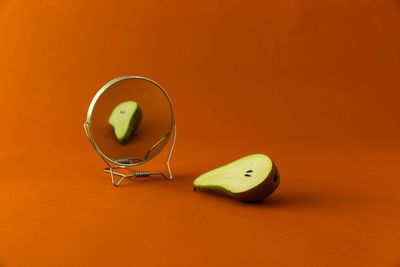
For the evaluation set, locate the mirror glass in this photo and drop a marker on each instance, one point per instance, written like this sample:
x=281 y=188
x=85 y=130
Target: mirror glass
x=131 y=120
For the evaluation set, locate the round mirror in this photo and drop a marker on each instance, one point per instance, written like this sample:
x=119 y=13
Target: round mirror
x=130 y=120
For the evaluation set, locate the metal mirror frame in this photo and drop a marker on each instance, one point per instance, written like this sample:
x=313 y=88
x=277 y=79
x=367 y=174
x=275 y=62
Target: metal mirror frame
x=116 y=164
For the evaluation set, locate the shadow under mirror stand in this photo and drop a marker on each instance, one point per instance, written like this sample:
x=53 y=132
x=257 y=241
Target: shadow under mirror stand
x=129 y=122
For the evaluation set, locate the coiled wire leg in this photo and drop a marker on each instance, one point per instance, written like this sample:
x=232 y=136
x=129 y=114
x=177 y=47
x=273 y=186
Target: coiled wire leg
x=133 y=174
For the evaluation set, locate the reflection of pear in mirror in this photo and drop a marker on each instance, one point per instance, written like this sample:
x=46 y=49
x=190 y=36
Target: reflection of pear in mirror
x=125 y=119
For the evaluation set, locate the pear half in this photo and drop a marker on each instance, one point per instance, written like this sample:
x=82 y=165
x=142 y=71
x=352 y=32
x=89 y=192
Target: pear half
x=125 y=119
x=251 y=178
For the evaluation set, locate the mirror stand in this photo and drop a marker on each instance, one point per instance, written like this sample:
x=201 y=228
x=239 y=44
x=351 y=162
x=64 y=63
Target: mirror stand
x=131 y=173
x=123 y=95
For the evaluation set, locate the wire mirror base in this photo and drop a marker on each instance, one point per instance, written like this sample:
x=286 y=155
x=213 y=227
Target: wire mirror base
x=117 y=177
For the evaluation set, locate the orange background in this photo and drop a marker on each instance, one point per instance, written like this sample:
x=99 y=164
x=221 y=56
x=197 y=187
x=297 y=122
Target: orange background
x=313 y=84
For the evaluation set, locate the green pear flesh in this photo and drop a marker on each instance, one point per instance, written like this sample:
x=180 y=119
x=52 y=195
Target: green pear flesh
x=251 y=178
x=125 y=119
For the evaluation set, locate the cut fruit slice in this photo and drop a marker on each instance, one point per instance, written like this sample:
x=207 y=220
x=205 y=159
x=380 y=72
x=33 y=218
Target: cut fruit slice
x=251 y=178
x=125 y=119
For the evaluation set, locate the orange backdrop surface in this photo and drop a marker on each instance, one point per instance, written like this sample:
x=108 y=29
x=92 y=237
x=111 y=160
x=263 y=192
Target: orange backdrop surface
x=313 y=84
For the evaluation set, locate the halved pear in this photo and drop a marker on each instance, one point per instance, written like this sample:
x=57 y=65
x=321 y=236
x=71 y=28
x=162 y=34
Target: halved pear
x=251 y=178
x=125 y=119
